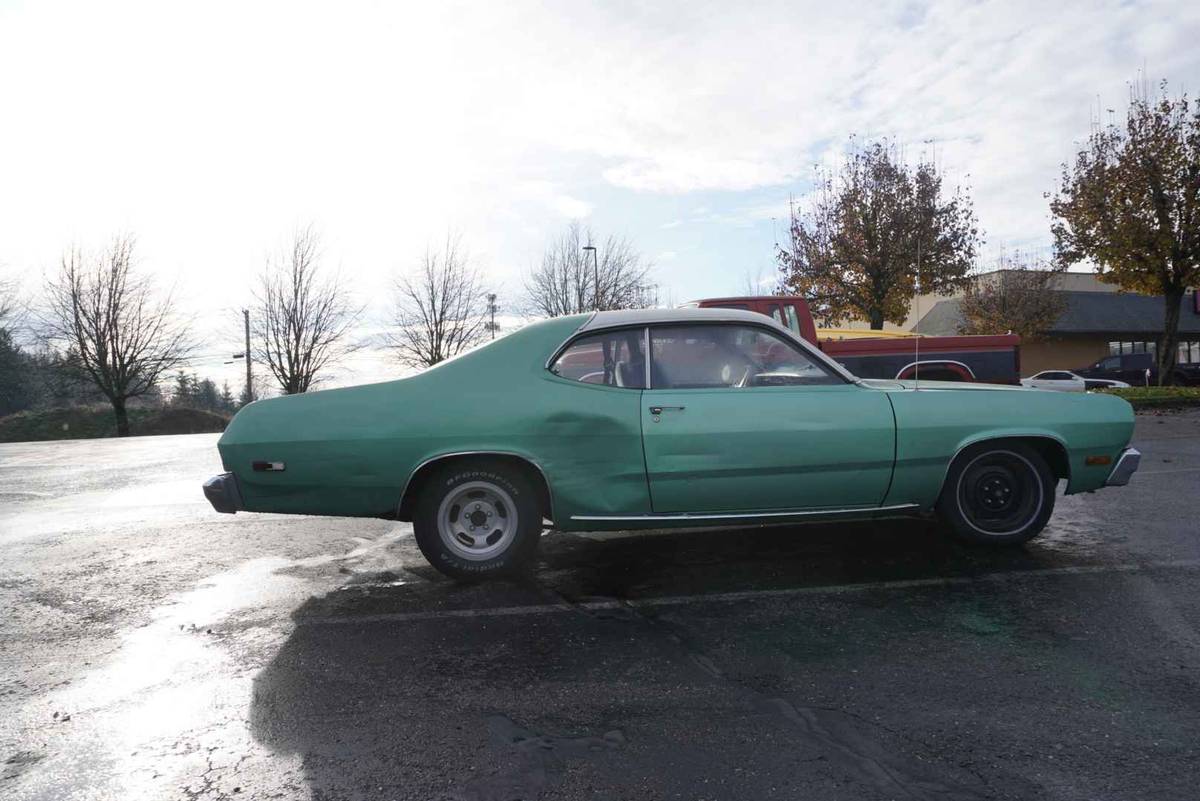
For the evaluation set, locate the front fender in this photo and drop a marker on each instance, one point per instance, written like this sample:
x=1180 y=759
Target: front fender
x=932 y=427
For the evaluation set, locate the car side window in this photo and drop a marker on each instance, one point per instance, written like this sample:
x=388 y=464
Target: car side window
x=1111 y=363
x=613 y=358
x=729 y=356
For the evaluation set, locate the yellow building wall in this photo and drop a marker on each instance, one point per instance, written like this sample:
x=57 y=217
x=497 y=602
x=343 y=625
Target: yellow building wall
x=1061 y=354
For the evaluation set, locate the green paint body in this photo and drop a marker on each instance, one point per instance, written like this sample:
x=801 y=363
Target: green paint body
x=352 y=451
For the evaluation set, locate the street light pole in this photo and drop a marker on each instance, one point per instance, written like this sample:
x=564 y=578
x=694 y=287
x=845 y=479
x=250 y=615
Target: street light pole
x=595 y=275
x=249 y=380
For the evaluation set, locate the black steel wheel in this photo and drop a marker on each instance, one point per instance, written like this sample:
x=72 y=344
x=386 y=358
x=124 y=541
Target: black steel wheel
x=999 y=493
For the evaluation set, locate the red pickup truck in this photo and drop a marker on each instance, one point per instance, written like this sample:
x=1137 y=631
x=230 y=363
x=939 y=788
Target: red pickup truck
x=985 y=359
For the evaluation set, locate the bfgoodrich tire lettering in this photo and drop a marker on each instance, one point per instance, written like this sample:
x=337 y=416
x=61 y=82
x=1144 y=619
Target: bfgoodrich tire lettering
x=479 y=520
x=998 y=493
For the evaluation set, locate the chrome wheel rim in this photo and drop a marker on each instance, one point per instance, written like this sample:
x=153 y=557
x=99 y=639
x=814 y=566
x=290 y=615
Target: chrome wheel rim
x=477 y=520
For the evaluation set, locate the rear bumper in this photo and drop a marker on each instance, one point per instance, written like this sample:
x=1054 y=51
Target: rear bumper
x=1126 y=466
x=223 y=493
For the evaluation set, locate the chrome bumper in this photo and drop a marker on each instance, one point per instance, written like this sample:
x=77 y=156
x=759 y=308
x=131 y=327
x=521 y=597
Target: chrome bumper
x=1126 y=466
x=223 y=493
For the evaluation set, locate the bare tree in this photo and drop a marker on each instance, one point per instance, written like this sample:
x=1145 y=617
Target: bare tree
x=1018 y=298
x=441 y=307
x=112 y=326
x=9 y=302
x=303 y=321
x=571 y=280
x=755 y=284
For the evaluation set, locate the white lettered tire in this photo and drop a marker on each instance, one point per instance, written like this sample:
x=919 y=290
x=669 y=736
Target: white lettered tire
x=477 y=520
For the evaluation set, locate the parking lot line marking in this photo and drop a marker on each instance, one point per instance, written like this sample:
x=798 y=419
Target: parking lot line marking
x=1161 y=472
x=747 y=595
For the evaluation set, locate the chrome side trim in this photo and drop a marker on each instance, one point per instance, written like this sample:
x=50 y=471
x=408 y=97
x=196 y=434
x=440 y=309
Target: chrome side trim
x=1126 y=466
x=746 y=515
x=439 y=457
x=933 y=362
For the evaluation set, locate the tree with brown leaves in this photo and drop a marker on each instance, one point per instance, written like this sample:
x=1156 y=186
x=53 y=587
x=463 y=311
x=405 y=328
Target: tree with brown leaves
x=1017 y=298
x=115 y=329
x=856 y=244
x=1130 y=204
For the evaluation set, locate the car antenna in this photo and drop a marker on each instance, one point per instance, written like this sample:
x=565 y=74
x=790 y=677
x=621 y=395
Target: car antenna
x=917 y=324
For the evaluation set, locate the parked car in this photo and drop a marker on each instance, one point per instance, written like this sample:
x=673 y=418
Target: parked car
x=993 y=359
x=1059 y=380
x=1132 y=369
x=1066 y=381
x=663 y=418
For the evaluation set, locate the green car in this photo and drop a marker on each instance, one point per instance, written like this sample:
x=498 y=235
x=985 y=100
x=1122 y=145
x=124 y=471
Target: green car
x=663 y=418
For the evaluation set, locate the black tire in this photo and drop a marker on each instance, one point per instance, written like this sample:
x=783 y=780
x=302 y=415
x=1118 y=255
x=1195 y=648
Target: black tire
x=998 y=493
x=504 y=493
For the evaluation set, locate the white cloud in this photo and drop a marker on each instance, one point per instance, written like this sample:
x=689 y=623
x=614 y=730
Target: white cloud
x=212 y=130
x=554 y=199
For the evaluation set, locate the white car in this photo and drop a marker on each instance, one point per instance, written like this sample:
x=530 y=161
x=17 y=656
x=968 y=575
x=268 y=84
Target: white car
x=1066 y=381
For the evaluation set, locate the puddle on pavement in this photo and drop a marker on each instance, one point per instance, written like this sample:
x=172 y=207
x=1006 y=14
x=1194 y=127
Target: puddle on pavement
x=165 y=711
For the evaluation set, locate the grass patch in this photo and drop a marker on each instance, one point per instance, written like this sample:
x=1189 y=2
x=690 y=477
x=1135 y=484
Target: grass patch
x=1158 y=397
x=91 y=422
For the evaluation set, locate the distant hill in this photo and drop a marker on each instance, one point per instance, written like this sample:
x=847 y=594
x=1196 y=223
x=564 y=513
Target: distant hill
x=91 y=422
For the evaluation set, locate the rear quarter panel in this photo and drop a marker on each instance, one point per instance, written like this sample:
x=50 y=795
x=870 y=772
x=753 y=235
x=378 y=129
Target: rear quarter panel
x=350 y=452
x=934 y=424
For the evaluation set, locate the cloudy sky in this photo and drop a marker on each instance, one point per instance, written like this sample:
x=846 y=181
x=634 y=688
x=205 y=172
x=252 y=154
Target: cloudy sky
x=212 y=130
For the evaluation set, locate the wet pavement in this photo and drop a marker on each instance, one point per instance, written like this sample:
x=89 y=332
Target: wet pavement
x=152 y=649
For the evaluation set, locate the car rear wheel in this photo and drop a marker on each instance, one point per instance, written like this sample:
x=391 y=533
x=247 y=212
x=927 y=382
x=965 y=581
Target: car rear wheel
x=475 y=521
x=999 y=493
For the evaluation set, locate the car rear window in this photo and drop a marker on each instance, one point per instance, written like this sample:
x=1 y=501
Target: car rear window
x=613 y=358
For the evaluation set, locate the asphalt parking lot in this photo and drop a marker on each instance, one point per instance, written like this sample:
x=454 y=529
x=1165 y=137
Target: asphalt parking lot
x=152 y=649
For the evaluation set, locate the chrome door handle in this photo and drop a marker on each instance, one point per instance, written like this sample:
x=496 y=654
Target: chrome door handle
x=661 y=409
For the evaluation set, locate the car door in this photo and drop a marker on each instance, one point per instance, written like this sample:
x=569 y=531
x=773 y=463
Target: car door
x=1109 y=368
x=1060 y=381
x=741 y=418
x=1041 y=381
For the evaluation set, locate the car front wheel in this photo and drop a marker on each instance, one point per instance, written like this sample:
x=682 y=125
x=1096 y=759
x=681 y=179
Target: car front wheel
x=476 y=521
x=998 y=493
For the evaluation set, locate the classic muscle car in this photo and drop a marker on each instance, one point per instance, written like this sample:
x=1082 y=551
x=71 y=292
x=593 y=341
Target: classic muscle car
x=663 y=418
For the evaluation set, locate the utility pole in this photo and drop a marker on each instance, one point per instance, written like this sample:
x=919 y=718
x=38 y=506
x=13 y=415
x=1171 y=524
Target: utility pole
x=249 y=380
x=595 y=274
x=248 y=396
x=491 y=326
